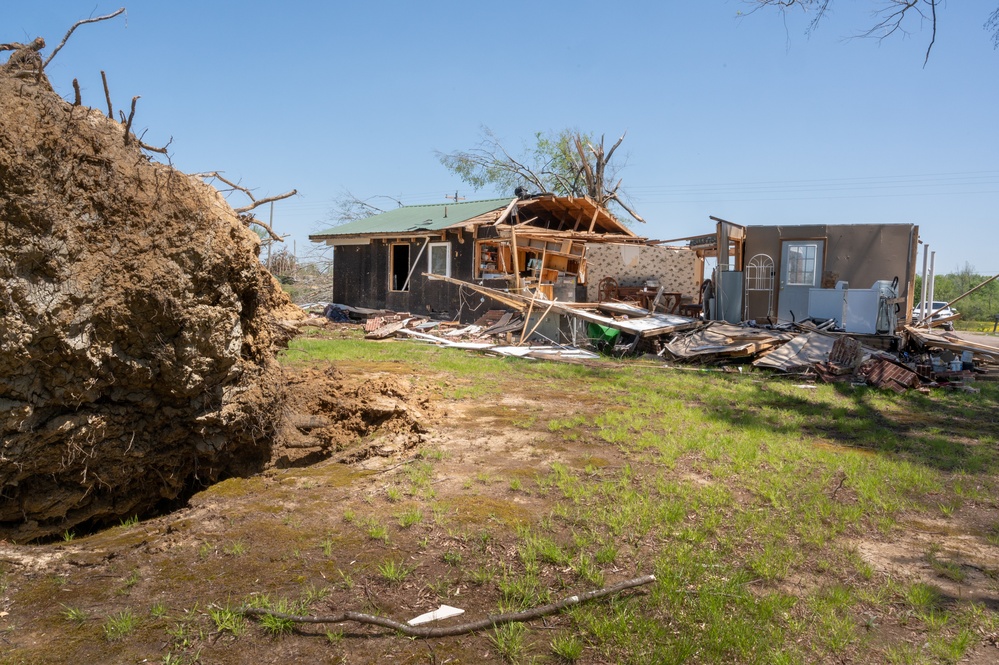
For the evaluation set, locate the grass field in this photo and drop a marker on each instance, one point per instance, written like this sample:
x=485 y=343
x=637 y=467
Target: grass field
x=785 y=523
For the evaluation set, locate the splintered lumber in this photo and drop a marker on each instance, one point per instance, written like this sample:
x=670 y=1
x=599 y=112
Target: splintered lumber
x=952 y=342
x=489 y=318
x=718 y=339
x=804 y=350
x=387 y=330
x=643 y=324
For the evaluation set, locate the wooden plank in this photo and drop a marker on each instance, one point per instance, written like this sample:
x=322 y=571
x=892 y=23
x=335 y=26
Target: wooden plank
x=387 y=330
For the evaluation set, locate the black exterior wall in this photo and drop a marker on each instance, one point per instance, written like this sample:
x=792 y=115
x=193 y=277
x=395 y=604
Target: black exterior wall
x=361 y=278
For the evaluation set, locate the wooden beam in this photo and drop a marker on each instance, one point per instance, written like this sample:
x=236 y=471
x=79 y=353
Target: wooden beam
x=515 y=259
x=505 y=213
x=593 y=222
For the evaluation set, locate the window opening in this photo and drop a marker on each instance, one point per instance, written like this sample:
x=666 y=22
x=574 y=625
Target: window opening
x=439 y=259
x=801 y=265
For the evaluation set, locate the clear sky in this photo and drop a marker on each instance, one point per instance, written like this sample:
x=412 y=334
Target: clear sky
x=741 y=117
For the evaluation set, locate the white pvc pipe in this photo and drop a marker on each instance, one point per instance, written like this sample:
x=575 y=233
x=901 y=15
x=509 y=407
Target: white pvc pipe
x=933 y=280
x=922 y=291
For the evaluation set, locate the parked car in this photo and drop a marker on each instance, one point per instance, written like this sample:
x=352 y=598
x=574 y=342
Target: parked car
x=945 y=316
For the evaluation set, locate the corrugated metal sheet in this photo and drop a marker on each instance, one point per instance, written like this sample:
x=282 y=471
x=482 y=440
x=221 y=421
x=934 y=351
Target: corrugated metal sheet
x=414 y=219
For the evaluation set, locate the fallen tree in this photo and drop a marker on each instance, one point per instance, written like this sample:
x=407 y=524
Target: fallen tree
x=137 y=325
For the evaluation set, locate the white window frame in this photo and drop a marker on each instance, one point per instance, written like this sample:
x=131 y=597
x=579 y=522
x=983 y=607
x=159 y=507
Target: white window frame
x=809 y=263
x=430 y=258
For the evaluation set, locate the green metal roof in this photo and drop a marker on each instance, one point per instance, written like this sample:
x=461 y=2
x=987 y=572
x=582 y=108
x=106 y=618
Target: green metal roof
x=414 y=219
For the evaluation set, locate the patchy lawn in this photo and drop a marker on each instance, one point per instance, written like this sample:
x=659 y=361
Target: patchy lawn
x=784 y=523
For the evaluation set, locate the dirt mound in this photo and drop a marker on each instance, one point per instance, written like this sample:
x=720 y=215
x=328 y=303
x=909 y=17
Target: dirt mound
x=137 y=327
x=331 y=415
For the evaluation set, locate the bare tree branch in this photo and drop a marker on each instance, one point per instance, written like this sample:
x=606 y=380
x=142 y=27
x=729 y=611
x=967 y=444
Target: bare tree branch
x=128 y=124
x=890 y=17
x=992 y=23
x=75 y=26
x=461 y=629
x=250 y=219
x=162 y=151
x=25 y=61
x=348 y=208
x=627 y=208
x=217 y=175
x=269 y=199
x=107 y=94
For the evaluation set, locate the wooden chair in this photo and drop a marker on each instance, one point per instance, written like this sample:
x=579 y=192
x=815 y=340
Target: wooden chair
x=607 y=289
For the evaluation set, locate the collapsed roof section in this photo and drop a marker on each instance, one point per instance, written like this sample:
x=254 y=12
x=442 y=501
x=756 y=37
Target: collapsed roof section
x=546 y=214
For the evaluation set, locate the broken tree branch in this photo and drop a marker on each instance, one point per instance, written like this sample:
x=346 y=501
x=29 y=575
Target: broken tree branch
x=216 y=175
x=128 y=124
x=77 y=99
x=107 y=94
x=75 y=26
x=36 y=45
x=621 y=203
x=257 y=204
x=250 y=219
x=150 y=148
x=461 y=629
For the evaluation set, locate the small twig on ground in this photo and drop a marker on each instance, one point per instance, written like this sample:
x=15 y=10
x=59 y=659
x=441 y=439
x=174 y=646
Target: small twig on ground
x=75 y=26
x=461 y=629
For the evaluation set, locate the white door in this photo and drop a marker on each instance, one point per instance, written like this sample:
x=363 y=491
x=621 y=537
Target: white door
x=800 y=270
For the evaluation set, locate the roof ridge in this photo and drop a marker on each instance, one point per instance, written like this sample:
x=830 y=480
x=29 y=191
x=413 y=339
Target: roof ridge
x=451 y=203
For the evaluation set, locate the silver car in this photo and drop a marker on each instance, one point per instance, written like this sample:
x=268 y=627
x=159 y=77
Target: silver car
x=945 y=314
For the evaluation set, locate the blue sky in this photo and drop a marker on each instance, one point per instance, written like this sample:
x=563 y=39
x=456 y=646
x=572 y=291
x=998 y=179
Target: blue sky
x=741 y=117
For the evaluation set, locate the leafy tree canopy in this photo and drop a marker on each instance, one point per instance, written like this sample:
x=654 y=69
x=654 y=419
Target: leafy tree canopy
x=565 y=163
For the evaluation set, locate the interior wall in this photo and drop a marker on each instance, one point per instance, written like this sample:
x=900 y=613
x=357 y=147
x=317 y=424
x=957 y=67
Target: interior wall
x=632 y=265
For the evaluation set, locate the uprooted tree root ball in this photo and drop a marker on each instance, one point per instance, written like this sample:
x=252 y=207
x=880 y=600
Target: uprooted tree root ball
x=138 y=327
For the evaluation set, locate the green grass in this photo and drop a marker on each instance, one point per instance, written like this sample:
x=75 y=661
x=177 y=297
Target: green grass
x=74 y=614
x=744 y=494
x=120 y=625
x=227 y=619
x=394 y=572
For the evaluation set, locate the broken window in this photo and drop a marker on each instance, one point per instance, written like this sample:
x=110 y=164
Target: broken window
x=801 y=264
x=439 y=259
x=399 y=262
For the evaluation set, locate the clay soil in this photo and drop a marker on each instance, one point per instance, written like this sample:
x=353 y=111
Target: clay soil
x=385 y=467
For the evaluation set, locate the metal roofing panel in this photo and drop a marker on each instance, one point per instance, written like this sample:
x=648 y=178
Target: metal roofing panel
x=414 y=219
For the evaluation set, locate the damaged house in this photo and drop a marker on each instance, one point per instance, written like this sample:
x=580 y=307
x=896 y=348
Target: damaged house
x=560 y=247
x=861 y=276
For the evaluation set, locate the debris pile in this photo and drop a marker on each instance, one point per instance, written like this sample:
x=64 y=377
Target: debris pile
x=137 y=326
x=920 y=359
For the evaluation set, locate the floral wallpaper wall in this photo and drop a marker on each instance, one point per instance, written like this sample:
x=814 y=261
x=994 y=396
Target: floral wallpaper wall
x=633 y=265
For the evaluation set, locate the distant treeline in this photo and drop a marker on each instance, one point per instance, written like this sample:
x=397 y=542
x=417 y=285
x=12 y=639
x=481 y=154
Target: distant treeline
x=982 y=305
